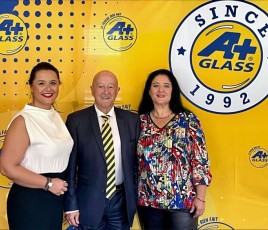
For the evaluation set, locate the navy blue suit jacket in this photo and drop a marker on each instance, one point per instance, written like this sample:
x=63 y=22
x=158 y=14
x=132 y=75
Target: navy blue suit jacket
x=86 y=171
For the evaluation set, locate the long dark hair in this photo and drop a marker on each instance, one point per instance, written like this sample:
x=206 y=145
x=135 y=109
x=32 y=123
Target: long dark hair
x=146 y=104
x=42 y=66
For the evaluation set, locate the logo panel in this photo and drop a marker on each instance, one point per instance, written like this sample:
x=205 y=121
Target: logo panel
x=258 y=157
x=223 y=60
x=119 y=32
x=13 y=34
x=220 y=63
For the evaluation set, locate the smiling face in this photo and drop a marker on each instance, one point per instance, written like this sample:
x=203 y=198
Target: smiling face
x=105 y=89
x=160 y=90
x=45 y=88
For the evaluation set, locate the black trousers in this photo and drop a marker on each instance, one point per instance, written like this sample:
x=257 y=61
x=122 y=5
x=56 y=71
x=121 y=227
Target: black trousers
x=32 y=209
x=162 y=219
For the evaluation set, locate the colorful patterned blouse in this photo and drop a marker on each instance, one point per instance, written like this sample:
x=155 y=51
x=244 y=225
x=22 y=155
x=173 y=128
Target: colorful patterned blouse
x=172 y=161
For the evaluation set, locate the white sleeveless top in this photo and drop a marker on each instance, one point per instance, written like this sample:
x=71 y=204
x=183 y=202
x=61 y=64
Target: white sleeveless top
x=50 y=142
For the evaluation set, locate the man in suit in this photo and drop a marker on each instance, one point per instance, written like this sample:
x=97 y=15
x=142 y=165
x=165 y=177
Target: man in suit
x=86 y=205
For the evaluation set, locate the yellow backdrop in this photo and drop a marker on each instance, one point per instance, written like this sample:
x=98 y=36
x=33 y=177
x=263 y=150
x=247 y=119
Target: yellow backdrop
x=224 y=85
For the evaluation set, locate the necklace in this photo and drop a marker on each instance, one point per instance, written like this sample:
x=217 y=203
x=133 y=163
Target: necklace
x=161 y=117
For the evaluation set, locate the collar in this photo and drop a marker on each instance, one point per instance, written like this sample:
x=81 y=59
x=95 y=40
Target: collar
x=99 y=113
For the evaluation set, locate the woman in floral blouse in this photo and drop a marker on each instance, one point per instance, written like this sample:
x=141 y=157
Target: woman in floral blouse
x=174 y=170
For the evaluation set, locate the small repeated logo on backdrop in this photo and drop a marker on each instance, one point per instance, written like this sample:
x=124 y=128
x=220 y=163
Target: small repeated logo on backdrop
x=5 y=183
x=119 y=32
x=13 y=34
x=212 y=223
x=258 y=157
x=221 y=62
x=2 y=136
x=124 y=106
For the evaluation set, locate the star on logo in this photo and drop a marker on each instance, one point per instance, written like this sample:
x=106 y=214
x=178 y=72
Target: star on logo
x=181 y=51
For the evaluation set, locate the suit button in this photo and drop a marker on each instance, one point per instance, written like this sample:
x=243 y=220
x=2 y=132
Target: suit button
x=103 y=190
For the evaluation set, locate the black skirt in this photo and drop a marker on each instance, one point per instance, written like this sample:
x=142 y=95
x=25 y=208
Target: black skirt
x=33 y=209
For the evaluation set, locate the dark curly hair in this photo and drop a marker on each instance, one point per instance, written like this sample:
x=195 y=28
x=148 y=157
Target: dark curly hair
x=146 y=104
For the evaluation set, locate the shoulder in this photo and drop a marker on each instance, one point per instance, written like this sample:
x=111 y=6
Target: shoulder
x=18 y=120
x=23 y=113
x=192 y=121
x=126 y=113
x=17 y=138
x=144 y=117
x=81 y=113
x=19 y=117
x=188 y=115
x=17 y=124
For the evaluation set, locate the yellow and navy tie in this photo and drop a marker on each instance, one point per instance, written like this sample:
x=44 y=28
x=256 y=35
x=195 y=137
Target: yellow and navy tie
x=107 y=137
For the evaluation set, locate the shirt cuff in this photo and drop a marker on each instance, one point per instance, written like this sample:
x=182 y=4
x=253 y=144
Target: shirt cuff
x=71 y=211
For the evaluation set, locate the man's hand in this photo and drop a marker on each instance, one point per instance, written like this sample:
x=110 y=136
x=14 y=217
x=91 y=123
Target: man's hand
x=73 y=218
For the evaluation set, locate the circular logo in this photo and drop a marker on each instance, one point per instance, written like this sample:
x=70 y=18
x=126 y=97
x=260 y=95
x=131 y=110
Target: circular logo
x=119 y=33
x=221 y=62
x=258 y=157
x=13 y=34
x=215 y=225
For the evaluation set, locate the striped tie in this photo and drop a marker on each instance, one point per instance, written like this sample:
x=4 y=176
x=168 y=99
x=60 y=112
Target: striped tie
x=107 y=137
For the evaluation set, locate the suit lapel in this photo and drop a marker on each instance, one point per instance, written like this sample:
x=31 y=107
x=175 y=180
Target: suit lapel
x=96 y=129
x=121 y=129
